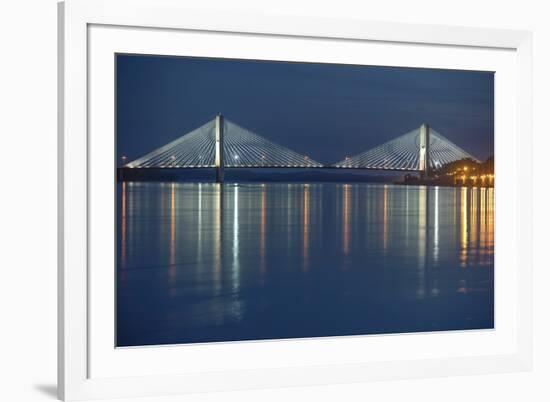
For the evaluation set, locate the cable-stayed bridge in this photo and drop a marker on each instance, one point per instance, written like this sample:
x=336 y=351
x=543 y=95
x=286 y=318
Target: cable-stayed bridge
x=222 y=144
x=418 y=150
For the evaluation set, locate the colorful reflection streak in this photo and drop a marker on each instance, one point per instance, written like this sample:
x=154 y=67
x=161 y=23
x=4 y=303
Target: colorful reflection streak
x=123 y=227
x=305 y=227
x=346 y=219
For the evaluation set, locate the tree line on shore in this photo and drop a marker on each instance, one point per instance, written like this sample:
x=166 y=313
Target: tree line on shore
x=462 y=172
x=467 y=166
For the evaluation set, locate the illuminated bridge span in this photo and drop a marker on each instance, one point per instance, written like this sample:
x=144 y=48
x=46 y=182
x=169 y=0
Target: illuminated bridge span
x=223 y=144
x=418 y=150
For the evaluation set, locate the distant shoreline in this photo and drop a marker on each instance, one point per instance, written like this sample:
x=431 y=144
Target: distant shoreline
x=267 y=175
x=301 y=177
x=233 y=182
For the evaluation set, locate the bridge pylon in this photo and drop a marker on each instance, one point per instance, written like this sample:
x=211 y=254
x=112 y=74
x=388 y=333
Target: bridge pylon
x=424 y=150
x=218 y=158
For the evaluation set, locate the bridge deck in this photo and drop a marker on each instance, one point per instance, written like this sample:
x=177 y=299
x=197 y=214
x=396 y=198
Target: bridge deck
x=396 y=169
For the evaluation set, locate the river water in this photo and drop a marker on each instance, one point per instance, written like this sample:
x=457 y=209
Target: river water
x=200 y=262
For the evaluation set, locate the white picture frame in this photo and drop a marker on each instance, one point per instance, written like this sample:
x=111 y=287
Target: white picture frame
x=76 y=337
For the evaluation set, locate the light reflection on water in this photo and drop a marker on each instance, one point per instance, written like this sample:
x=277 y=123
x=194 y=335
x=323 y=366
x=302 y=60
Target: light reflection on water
x=201 y=262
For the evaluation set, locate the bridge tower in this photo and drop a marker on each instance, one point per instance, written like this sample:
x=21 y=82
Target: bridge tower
x=218 y=159
x=424 y=145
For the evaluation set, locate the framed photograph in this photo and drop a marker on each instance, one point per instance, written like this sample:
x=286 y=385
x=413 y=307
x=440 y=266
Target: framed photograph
x=251 y=201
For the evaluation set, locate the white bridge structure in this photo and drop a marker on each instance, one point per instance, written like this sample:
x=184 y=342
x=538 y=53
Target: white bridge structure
x=420 y=150
x=222 y=144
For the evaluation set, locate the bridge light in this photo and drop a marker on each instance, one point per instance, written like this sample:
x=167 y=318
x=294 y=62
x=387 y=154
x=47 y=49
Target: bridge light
x=236 y=156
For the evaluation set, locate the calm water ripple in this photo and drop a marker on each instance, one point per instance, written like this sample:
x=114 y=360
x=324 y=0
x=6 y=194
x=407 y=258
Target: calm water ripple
x=200 y=262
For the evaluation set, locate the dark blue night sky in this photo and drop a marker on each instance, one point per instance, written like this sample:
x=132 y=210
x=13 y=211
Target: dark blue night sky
x=326 y=111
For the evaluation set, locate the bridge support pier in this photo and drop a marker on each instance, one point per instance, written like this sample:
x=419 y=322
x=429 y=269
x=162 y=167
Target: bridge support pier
x=424 y=145
x=218 y=159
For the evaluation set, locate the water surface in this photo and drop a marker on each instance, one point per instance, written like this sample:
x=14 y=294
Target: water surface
x=200 y=262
